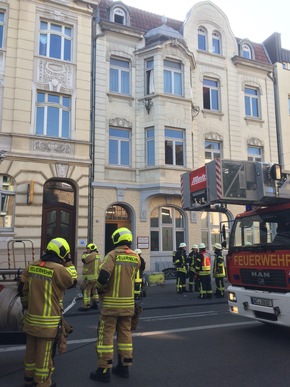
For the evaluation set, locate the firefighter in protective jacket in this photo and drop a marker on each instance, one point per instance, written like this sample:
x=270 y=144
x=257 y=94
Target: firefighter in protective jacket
x=203 y=267
x=116 y=283
x=91 y=260
x=193 y=278
x=41 y=289
x=219 y=271
x=180 y=263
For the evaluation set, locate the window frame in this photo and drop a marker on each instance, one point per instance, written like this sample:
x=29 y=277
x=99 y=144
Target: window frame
x=64 y=43
x=150 y=147
x=122 y=83
x=246 y=51
x=119 y=148
x=45 y=115
x=158 y=231
x=5 y=206
x=215 y=152
x=149 y=76
x=176 y=142
x=255 y=156
x=171 y=72
x=2 y=29
x=252 y=101
x=211 y=90
x=202 y=38
x=216 y=43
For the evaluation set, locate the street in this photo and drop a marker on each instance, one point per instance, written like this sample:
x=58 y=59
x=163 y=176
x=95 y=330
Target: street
x=180 y=341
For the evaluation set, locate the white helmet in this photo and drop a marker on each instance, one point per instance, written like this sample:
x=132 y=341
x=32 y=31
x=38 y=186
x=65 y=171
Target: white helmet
x=182 y=244
x=195 y=246
x=138 y=251
x=201 y=246
x=217 y=246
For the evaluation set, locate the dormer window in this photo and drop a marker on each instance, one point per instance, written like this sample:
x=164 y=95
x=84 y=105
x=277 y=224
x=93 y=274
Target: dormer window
x=246 y=51
x=119 y=16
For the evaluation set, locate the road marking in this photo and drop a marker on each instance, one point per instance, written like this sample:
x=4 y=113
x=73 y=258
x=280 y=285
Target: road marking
x=143 y=334
x=178 y=316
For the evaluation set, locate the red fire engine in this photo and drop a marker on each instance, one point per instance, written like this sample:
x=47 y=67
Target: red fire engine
x=258 y=258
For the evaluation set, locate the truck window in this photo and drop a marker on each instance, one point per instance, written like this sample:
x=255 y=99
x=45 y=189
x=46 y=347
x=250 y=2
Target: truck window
x=271 y=229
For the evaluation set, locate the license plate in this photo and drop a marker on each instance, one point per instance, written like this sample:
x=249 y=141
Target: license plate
x=262 y=302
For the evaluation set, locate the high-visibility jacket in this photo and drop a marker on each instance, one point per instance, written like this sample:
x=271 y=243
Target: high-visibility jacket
x=91 y=263
x=219 y=267
x=41 y=289
x=192 y=261
x=181 y=260
x=203 y=263
x=117 y=279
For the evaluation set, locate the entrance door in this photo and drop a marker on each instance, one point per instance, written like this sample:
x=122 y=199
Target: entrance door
x=116 y=216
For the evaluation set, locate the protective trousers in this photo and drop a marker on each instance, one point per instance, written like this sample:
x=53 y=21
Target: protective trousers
x=205 y=289
x=220 y=287
x=38 y=363
x=180 y=280
x=90 y=294
x=108 y=325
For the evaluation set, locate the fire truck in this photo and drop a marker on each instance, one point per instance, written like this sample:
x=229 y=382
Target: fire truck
x=258 y=257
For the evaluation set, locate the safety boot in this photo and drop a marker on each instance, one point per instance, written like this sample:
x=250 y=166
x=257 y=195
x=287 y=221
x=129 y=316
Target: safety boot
x=95 y=306
x=102 y=375
x=121 y=370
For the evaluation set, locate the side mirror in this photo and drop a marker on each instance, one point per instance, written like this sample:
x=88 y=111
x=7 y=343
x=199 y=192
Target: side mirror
x=224 y=244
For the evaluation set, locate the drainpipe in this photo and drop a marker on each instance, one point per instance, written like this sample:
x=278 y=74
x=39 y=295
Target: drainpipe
x=92 y=124
x=277 y=113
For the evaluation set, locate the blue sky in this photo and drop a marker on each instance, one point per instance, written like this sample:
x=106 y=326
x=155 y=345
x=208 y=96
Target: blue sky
x=252 y=19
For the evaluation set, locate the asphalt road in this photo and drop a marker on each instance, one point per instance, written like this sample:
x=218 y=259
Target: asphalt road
x=180 y=341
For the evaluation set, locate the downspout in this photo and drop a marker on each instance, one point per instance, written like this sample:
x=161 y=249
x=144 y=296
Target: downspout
x=92 y=124
x=277 y=113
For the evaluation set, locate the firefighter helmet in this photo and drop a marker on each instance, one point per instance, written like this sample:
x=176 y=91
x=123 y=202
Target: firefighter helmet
x=194 y=246
x=92 y=246
x=122 y=235
x=217 y=246
x=182 y=244
x=138 y=251
x=201 y=246
x=59 y=246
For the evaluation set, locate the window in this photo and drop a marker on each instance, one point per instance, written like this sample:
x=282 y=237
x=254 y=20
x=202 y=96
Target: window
x=150 y=147
x=251 y=102
x=7 y=202
x=53 y=115
x=119 y=146
x=149 y=76
x=202 y=39
x=255 y=153
x=174 y=147
x=55 y=41
x=172 y=77
x=119 y=76
x=210 y=94
x=2 y=20
x=216 y=43
x=119 y=16
x=212 y=150
x=246 y=51
x=166 y=229
x=210 y=228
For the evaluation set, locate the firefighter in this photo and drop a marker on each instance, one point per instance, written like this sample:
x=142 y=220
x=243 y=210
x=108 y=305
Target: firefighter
x=41 y=288
x=116 y=288
x=203 y=267
x=219 y=271
x=181 y=268
x=139 y=285
x=91 y=260
x=192 y=279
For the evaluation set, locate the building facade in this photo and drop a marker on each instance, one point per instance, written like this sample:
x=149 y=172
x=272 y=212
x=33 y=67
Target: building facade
x=45 y=128
x=171 y=96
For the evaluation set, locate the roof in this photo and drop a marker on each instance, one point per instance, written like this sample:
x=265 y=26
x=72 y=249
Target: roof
x=147 y=21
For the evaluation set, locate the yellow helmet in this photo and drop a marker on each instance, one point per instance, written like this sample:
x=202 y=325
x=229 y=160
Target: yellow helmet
x=59 y=246
x=92 y=246
x=122 y=234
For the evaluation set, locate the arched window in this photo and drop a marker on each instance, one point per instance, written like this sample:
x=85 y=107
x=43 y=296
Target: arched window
x=119 y=16
x=7 y=202
x=216 y=42
x=166 y=229
x=246 y=51
x=202 y=39
x=210 y=228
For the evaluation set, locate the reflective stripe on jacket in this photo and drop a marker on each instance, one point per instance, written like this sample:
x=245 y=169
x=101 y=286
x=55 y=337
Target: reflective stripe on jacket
x=91 y=263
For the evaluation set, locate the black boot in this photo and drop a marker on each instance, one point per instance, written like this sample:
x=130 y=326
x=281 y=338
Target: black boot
x=95 y=306
x=121 y=370
x=102 y=375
